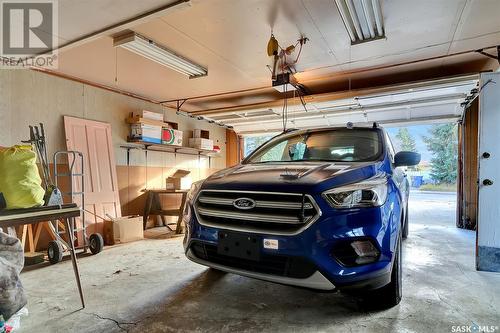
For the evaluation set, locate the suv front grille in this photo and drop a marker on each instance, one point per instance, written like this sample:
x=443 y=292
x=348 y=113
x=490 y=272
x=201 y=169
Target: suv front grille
x=275 y=213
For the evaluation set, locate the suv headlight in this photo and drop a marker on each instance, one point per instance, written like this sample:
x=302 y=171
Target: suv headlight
x=368 y=193
x=195 y=188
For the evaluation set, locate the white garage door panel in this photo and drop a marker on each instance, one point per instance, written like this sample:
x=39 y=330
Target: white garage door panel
x=418 y=102
x=358 y=117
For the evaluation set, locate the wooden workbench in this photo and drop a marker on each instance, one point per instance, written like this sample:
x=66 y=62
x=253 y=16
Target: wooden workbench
x=153 y=207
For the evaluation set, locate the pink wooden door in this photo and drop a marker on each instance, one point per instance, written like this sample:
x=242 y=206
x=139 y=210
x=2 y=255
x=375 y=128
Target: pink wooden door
x=94 y=140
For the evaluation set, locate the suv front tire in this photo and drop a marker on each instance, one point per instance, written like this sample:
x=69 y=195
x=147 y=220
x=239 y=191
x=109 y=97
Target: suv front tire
x=391 y=294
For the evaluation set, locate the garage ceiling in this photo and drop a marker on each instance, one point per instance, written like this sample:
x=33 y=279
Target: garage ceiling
x=229 y=38
x=85 y=17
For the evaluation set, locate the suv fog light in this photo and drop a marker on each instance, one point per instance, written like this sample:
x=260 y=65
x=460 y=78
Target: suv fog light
x=355 y=252
x=366 y=252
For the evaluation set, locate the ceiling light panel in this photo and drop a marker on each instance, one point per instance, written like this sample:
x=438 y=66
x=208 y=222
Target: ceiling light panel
x=153 y=51
x=362 y=19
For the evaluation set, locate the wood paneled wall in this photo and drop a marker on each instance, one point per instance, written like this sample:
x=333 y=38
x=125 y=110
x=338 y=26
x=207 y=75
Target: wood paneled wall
x=134 y=180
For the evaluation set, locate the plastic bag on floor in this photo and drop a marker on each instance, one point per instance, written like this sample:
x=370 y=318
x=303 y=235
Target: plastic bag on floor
x=14 y=323
x=12 y=296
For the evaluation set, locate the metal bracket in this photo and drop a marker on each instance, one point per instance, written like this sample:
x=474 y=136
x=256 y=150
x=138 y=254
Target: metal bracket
x=180 y=103
x=473 y=95
x=496 y=57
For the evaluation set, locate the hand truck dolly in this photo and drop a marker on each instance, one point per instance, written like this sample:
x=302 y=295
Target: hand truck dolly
x=76 y=183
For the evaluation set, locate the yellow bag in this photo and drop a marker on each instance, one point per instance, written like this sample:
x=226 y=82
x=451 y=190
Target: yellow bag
x=20 y=181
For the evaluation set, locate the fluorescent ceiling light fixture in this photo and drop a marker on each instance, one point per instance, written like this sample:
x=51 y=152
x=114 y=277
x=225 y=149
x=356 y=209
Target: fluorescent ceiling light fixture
x=151 y=50
x=362 y=19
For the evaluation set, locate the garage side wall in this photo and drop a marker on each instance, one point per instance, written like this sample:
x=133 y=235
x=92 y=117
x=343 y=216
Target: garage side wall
x=30 y=97
x=488 y=234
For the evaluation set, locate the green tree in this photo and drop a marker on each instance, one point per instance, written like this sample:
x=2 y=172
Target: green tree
x=253 y=142
x=443 y=145
x=406 y=140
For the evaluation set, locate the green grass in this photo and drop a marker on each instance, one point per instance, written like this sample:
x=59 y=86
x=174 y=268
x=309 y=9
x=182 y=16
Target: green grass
x=439 y=187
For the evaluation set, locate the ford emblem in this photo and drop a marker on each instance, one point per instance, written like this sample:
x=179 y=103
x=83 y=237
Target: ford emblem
x=244 y=203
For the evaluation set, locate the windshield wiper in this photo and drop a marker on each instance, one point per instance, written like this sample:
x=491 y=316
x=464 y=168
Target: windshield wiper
x=314 y=160
x=263 y=162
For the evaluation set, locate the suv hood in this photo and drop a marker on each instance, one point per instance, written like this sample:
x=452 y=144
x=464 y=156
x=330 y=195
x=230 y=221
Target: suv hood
x=292 y=177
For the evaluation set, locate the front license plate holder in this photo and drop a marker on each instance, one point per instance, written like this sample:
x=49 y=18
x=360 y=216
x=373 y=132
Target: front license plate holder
x=238 y=245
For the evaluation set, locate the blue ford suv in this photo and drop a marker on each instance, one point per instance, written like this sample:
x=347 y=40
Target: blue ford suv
x=323 y=209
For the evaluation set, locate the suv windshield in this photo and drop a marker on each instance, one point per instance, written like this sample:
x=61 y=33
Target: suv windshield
x=339 y=145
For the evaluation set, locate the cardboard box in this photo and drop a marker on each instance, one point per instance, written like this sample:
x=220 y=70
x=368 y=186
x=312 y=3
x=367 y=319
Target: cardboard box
x=171 y=124
x=200 y=143
x=199 y=133
x=145 y=132
x=171 y=136
x=179 y=181
x=148 y=115
x=123 y=230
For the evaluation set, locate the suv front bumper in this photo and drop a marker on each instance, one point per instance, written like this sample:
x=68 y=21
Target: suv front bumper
x=314 y=245
x=315 y=281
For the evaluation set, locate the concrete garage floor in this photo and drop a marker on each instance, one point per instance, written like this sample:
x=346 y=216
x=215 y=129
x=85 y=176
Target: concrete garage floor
x=149 y=286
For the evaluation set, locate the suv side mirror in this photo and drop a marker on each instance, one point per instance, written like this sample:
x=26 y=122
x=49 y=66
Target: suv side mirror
x=406 y=158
